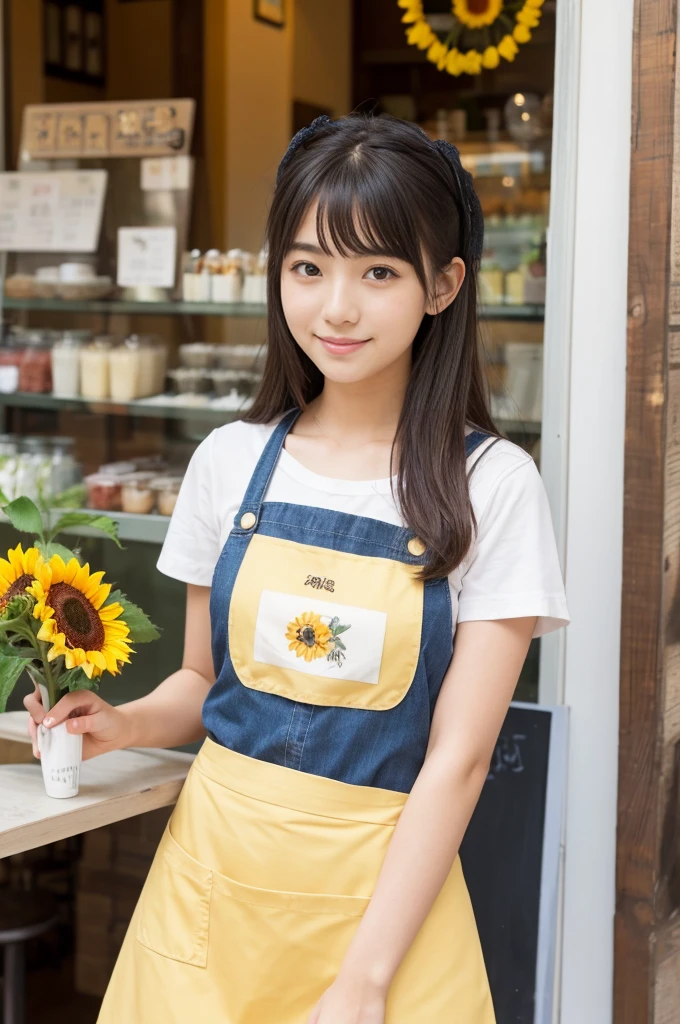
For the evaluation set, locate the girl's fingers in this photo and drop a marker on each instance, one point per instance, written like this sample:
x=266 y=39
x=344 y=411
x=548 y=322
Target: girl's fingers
x=71 y=705
x=34 y=706
x=33 y=733
x=82 y=724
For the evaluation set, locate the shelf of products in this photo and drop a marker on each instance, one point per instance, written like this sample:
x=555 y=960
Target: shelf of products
x=171 y=408
x=223 y=309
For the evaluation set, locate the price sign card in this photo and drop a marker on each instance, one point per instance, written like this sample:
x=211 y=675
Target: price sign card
x=58 y=211
x=147 y=256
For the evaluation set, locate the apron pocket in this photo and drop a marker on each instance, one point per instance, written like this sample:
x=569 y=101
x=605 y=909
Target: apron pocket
x=278 y=951
x=174 y=906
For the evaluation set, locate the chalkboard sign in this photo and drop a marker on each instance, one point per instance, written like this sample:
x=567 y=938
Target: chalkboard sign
x=511 y=861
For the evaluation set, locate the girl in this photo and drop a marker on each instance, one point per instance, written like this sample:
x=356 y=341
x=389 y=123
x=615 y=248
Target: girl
x=332 y=542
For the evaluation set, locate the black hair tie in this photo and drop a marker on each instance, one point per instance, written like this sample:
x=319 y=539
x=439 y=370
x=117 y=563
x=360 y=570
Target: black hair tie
x=472 y=208
x=299 y=139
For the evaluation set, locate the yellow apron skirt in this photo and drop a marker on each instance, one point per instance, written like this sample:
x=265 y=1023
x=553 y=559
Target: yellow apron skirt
x=257 y=887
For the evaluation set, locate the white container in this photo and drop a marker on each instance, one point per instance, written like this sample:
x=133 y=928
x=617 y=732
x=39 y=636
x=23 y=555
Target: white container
x=255 y=288
x=226 y=287
x=94 y=370
x=124 y=373
x=75 y=272
x=66 y=367
x=61 y=755
x=196 y=287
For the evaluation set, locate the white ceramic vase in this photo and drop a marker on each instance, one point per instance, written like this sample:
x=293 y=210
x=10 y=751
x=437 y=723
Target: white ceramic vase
x=61 y=754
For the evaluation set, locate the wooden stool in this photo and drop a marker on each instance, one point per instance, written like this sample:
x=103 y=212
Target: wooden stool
x=23 y=915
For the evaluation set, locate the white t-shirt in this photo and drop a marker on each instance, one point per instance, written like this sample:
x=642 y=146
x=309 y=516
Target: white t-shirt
x=511 y=570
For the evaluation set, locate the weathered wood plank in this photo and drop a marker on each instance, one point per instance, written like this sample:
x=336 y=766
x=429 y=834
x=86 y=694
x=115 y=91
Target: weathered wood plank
x=647 y=531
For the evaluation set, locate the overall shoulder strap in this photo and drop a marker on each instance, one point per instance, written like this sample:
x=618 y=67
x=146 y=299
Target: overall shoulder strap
x=259 y=481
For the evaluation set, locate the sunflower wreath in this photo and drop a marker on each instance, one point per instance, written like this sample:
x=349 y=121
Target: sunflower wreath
x=484 y=33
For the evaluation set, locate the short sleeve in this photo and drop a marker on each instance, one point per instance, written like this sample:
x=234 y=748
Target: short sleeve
x=513 y=570
x=192 y=544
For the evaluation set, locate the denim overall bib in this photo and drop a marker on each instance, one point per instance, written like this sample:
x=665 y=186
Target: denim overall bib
x=329 y=655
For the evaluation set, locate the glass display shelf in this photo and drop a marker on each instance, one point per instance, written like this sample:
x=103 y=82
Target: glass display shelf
x=112 y=306
x=141 y=407
x=172 y=410
x=534 y=313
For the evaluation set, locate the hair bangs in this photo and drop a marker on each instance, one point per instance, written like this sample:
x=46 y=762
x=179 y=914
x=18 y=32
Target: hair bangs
x=363 y=210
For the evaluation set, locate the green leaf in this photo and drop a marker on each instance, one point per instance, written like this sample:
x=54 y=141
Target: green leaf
x=94 y=522
x=77 y=680
x=339 y=643
x=4 y=500
x=10 y=670
x=142 y=629
x=53 y=548
x=24 y=515
x=340 y=629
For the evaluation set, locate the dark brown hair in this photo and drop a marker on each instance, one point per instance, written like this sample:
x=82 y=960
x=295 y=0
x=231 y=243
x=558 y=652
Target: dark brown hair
x=384 y=189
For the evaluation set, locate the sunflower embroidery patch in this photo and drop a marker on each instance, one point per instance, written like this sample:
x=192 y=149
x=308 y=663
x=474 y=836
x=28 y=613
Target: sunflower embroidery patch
x=319 y=637
x=310 y=637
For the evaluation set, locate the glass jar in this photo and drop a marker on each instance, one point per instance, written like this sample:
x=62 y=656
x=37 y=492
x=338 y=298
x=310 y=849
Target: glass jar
x=187 y=381
x=35 y=369
x=137 y=494
x=95 y=377
x=66 y=472
x=11 y=355
x=66 y=363
x=104 y=492
x=197 y=356
x=34 y=469
x=166 y=489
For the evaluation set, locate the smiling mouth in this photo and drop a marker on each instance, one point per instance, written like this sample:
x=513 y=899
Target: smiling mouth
x=342 y=343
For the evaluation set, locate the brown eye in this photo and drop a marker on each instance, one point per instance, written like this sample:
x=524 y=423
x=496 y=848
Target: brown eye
x=382 y=273
x=306 y=269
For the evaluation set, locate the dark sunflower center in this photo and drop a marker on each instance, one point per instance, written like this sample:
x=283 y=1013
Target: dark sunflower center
x=478 y=6
x=16 y=588
x=76 y=618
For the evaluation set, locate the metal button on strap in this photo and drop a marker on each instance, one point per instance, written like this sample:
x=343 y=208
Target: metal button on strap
x=248 y=520
x=416 y=546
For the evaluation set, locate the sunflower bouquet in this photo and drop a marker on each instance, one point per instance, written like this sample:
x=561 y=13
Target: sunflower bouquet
x=59 y=621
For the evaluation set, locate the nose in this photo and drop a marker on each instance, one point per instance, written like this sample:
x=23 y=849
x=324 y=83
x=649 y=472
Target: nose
x=340 y=302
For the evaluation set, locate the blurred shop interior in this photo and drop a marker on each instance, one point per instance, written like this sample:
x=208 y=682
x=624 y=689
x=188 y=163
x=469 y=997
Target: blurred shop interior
x=133 y=299
x=115 y=363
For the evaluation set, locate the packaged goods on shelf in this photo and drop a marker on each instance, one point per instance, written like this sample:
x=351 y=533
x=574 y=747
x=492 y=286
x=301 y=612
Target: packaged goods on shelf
x=234 y=276
x=137 y=494
x=35 y=369
x=136 y=368
x=104 y=492
x=11 y=354
x=95 y=376
x=197 y=355
x=66 y=363
x=71 y=281
x=167 y=490
x=39 y=467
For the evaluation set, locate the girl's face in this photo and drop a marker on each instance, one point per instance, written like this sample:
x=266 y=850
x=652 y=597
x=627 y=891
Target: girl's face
x=355 y=316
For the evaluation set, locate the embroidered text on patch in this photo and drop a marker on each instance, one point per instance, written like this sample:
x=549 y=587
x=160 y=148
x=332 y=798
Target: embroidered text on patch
x=321 y=583
x=310 y=637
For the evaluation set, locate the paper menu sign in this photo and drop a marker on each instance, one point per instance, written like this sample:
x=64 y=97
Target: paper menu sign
x=166 y=173
x=147 y=256
x=56 y=211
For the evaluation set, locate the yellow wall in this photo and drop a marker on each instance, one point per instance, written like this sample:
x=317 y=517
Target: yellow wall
x=322 y=54
x=258 y=117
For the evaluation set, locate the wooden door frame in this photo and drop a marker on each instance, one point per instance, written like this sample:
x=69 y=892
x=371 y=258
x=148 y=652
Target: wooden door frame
x=647 y=925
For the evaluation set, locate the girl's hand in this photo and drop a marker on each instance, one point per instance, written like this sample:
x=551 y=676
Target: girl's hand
x=350 y=1002
x=103 y=727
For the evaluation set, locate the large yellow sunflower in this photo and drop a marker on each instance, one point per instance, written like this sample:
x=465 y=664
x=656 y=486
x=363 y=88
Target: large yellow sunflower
x=309 y=637
x=69 y=603
x=17 y=572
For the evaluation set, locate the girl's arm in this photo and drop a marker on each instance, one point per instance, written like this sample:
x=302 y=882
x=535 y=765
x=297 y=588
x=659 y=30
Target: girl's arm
x=468 y=717
x=170 y=715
